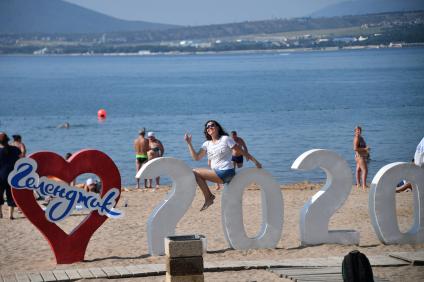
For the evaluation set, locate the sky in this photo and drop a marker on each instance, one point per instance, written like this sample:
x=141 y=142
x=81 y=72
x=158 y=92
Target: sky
x=203 y=12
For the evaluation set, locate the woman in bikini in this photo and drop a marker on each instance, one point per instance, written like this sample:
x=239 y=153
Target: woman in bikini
x=156 y=151
x=218 y=146
x=361 y=155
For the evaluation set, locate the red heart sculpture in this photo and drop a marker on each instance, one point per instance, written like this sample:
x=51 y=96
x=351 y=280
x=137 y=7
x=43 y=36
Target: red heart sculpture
x=69 y=248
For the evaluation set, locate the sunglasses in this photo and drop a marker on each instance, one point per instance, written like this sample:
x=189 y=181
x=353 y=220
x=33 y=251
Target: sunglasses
x=212 y=125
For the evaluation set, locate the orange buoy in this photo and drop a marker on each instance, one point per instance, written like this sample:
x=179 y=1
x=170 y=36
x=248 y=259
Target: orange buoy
x=101 y=114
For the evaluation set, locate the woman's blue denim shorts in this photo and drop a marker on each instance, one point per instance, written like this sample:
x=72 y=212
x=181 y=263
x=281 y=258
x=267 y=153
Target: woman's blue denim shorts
x=226 y=174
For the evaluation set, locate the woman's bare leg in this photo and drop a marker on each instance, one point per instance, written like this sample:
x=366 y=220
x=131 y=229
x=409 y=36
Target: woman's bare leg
x=137 y=168
x=358 y=174
x=202 y=175
x=364 y=170
x=11 y=209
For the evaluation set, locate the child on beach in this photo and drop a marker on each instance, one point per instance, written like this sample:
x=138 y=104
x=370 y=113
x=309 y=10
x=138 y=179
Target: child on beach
x=218 y=146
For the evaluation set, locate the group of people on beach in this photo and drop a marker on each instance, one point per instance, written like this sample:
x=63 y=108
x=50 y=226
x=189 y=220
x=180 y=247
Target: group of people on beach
x=224 y=155
x=147 y=149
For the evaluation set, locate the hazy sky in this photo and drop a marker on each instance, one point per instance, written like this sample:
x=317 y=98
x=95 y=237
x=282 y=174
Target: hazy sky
x=199 y=12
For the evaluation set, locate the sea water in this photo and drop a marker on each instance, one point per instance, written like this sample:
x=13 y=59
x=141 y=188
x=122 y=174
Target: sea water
x=281 y=104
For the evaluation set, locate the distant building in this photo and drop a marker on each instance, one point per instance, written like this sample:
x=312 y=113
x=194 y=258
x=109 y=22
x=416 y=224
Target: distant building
x=344 y=39
x=41 y=51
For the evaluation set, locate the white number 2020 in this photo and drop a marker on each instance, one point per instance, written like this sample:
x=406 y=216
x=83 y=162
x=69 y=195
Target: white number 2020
x=315 y=214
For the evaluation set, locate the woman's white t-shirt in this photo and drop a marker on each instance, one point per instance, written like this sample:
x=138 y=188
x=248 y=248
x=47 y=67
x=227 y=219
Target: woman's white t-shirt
x=220 y=153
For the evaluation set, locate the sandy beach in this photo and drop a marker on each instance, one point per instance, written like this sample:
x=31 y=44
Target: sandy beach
x=124 y=241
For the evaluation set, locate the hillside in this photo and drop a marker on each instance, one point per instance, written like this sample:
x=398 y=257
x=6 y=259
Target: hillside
x=57 y=16
x=387 y=29
x=362 y=7
x=269 y=27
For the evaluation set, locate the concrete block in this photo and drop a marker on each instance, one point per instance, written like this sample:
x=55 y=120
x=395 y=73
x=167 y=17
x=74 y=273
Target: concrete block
x=47 y=276
x=184 y=266
x=22 y=277
x=186 y=278
x=136 y=271
x=98 y=272
x=184 y=246
x=85 y=273
x=9 y=278
x=125 y=273
x=73 y=274
x=111 y=272
x=35 y=277
x=60 y=275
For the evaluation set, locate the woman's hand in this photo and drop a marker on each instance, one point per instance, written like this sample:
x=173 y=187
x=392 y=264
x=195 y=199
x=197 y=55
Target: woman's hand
x=250 y=157
x=187 y=138
x=258 y=164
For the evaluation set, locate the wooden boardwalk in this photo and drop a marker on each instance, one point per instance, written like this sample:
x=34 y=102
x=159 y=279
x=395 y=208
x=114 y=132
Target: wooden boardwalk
x=314 y=269
x=304 y=274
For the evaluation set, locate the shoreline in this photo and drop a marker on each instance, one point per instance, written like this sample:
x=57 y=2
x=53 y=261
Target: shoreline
x=232 y=52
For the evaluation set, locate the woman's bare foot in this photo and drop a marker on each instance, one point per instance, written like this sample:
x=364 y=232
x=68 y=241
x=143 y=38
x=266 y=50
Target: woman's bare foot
x=208 y=202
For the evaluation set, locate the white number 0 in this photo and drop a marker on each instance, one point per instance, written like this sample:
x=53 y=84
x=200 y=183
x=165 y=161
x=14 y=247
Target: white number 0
x=382 y=204
x=272 y=211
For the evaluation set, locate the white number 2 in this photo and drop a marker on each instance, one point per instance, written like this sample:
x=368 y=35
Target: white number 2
x=165 y=216
x=316 y=213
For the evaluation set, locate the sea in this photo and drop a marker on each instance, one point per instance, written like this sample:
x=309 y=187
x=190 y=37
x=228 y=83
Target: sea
x=281 y=104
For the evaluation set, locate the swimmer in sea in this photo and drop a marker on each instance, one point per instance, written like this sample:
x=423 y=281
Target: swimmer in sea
x=64 y=125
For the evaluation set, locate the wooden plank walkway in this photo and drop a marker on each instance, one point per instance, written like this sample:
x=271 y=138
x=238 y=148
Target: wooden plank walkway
x=415 y=258
x=323 y=269
x=302 y=274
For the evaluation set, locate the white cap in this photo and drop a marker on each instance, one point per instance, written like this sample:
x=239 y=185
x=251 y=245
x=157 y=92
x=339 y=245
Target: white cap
x=89 y=181
x=151 y=134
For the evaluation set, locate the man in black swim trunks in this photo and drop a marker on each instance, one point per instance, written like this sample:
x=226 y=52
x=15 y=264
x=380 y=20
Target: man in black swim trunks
x=141 y=147
x=238 y=159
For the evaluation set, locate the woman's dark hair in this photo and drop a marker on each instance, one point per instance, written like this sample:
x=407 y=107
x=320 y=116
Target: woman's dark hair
x=221 y=131
x=17 y=137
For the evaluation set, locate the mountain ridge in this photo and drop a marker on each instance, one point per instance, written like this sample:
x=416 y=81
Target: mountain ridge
x=362 y=7
x=57 y=16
